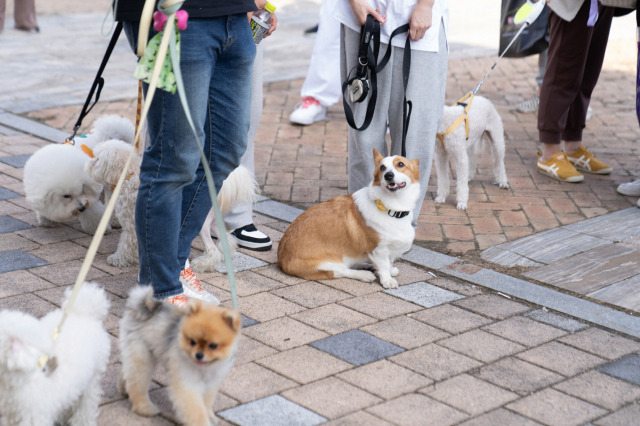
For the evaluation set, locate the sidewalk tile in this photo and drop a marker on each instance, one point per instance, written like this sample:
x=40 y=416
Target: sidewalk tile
x=358 y=418
x=627 y=368
x=66 y=273
x=435 y=362
x=470 y=395
x=5 y=194
x=600 y=389
x=626 y=416
x=405 y=332
x=556 y=320
x=265 y=306
x=500 y=417
x=601 y=343
x=60 y=252
x=380 y=305
x=414 y=409
x=311 y=294
x=247 y=283
x=552 y=407
x=273 y=272
x=9 y=224
x=273 y=410
x=524 y=331
x=250 y=381
x=284 y=333
x=517 y=376
x=304 y=364
x=59 y=233
x=15 y=260
x=119 y=414
x=451 y=318
x=353 y=287
x=331 y=397
x=21 y=282
x=250 y=350
x=356 y=347
x=333 y=318
x=561 y=358
x=481 y=345
x=27 y=303
x=385 y=379
x=424 y=294
x=241 y=262
x=493 y=306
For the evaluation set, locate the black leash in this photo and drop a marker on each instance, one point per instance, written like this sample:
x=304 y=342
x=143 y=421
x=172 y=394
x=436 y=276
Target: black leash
x=98 y=82
x=367 y=69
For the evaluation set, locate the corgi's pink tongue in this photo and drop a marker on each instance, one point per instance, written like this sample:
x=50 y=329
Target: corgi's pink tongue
x=395 y=186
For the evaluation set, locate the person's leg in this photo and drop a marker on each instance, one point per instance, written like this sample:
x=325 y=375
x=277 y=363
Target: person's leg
x=24 y=14
x=226 y=126
x=361 y=143
x=426 y=91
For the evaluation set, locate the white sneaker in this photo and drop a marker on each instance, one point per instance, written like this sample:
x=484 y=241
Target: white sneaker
x=308 y=111
x=631 y=189
x=192 y=287
x=529 y=105
x=589 y=114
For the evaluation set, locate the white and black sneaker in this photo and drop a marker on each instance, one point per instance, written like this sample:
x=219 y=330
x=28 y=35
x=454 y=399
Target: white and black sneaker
x=251 y=238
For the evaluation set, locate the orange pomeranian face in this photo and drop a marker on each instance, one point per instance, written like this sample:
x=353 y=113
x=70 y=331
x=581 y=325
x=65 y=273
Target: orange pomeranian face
x=208 y=333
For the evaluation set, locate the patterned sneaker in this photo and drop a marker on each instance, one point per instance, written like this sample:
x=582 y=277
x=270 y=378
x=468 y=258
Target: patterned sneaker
x=631 y=189
x=179 y=300
x=530 y=105
x=584 y=161
x=308 y=111
x=251 y=238
x=193 y=288
x=559 y=168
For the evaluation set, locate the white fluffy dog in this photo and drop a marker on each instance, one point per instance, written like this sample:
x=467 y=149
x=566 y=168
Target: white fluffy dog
x=105 y=128
x=484 y=122
x=105 y=167
x=58 y=188
x=69 y=393
x=238 y=188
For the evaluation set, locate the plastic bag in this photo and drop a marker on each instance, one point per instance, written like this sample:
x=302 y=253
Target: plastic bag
x=534 y=39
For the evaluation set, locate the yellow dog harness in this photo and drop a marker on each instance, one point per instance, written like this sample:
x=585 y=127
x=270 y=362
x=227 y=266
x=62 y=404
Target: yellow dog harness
x=464 y=117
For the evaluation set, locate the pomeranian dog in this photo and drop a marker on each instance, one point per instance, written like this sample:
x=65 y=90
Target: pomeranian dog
x=462 y=148
x=195 y=344
x=339 y=237
x=70 y=392
x=105 y=167
x=238 y=188
x=59 y=190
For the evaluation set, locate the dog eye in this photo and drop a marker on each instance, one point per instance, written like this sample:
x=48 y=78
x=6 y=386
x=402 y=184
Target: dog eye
x=192 y=342
x=383 y=168
x=213 y=346
x=67 y=196
x=400 y=164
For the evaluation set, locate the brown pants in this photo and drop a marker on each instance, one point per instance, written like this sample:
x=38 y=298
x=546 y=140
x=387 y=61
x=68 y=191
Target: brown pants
x=24 y=14
x=576 y=53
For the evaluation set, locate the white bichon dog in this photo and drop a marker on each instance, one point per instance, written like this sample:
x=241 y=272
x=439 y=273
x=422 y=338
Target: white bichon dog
x=58 y=188
x=69 y=393
x=484 y=123
x=105 y=128
x=105 y=167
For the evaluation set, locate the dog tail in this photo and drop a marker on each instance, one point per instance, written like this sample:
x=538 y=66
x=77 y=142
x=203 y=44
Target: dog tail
x=90 y=302
x=141 y=305
x=114 y=126
x=238 y=188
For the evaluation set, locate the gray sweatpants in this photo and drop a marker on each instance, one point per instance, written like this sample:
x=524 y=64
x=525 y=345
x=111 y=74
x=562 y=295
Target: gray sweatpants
x=426 y=91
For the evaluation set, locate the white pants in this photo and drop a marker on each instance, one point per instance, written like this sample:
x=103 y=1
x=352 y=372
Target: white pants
x=323 y=77
x=426 y=91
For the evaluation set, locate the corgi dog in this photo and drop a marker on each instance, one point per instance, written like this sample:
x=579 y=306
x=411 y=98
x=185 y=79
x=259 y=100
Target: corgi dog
x=346 y=235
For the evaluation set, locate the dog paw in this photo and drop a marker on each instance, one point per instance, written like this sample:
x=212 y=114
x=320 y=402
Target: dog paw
x=366 y=276
x=461 y=206
x=147 y=409
x=117 y=261
x=388 y=282
x=394 y=271
x=440 y=199
x=503 y=185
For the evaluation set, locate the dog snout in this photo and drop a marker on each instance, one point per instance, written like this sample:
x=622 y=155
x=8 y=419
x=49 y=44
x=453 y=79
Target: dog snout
x=199 y=356
x=388 y=176
x=82 y=208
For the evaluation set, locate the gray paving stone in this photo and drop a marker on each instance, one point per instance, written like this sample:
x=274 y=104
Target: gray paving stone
x=502 y=256
x=15 y=260
x=556 y=320
x=277 y=210
x=429 y=258
x=424 y=294
x=9 y=224
x=273 y=410
x=5 y=194
x=248 y=322
x=627 y=368
x=610 y=226
x=30 y=126
x=356 y=347
x=6 y=131
x=241 y=262
x=16 y=161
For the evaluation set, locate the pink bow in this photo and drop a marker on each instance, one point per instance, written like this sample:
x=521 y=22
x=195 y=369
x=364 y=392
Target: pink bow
x=160 y=19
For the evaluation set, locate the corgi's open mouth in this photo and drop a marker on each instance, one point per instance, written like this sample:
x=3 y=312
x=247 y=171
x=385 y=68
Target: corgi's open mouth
x=395 y=186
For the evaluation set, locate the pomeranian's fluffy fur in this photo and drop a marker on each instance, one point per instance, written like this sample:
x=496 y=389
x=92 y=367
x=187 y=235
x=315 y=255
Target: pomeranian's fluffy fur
x=195 y=344
x=70 y=393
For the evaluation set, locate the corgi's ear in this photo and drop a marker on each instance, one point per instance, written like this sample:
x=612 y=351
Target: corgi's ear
x=416 y=163
x=233 y=320
x=377 y=157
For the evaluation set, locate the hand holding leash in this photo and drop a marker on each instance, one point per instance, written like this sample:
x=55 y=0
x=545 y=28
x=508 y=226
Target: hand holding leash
x=420 y=19
x=362 y=9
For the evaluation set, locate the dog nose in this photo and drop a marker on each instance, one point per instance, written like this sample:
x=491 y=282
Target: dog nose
x=388 y=176
x=199 y=356
x=82 y=208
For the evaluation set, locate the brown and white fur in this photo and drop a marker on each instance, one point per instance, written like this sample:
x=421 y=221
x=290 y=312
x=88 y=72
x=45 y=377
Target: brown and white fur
x=105 y=167
x=195 y=344
x=484 y=122
x=339 y=237
x=238 y=188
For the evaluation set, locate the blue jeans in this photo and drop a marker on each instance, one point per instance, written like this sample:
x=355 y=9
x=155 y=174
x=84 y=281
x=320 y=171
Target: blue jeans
x=216 y=60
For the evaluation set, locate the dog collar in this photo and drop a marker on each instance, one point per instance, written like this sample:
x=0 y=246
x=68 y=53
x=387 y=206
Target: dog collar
x=129 y=176
x=392 y=213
